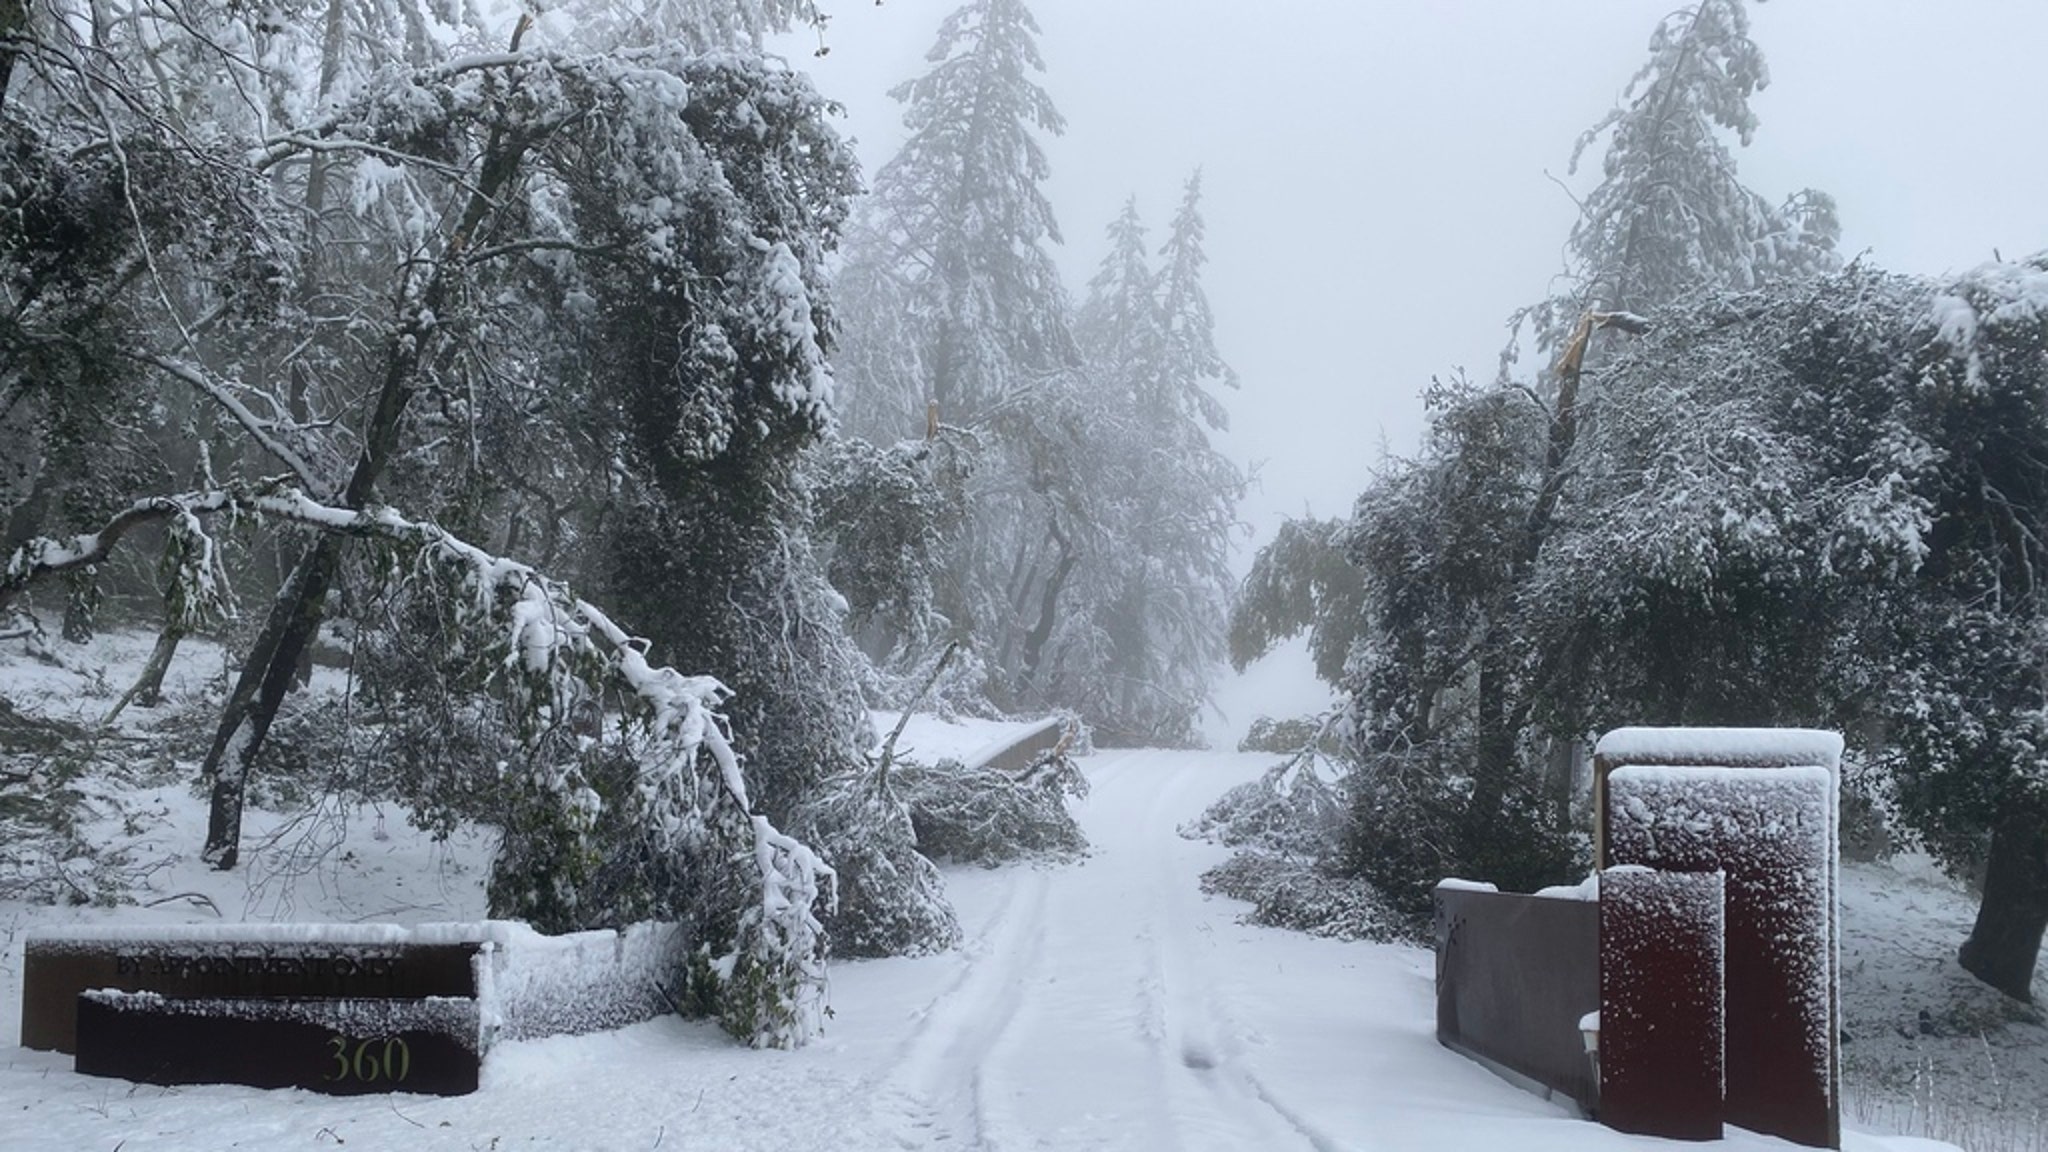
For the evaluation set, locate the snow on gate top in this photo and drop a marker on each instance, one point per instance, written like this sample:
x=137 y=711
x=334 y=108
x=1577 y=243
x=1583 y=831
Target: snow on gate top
x=1733 y=747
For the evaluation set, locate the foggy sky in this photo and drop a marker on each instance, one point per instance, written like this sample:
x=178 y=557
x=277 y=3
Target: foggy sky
x=1378 y=176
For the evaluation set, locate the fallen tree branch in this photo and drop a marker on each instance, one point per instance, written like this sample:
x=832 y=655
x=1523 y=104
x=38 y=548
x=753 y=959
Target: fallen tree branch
x=556 y=647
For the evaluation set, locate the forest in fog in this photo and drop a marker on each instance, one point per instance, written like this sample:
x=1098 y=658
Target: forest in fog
x=558 y=372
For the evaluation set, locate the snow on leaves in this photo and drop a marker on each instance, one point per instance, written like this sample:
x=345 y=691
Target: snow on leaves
x=558 y=657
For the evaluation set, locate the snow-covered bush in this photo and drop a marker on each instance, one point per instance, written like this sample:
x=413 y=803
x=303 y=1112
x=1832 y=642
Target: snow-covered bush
x=1290 y=892
x=983 y=815
x=1289 y=736
x=1407 y=831
x=1295 y=808
x=892 y=901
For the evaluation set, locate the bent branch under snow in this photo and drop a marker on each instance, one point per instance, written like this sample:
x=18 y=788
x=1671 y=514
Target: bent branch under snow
x=544 y=628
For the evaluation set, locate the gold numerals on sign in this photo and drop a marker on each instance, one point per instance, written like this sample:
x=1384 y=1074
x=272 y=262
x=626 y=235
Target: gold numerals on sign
x=369 y=1061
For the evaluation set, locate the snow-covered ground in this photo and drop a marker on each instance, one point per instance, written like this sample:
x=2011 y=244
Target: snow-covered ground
x=1107 y=1004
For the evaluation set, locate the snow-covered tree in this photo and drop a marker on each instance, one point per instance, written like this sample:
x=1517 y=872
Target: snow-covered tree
x=1149 y=599
x=1467 y=549
x=1928 y=398
x=666 y=794
x=1669 y=213
x=960 y=222
x=564 y=292
x=1819 y=503
x=958 y=329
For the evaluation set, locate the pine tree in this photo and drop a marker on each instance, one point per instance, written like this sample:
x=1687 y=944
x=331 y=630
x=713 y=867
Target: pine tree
x=961 y=221
x=1193 y=366
x=1669 y=213
x=1150 y=609
x=958 y=326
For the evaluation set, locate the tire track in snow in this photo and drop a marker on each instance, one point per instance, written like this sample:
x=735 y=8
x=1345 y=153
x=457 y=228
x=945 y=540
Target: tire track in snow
x=1087 y=1015
x=1076 y=1068
x=1221 y=1102
x=935 y=1088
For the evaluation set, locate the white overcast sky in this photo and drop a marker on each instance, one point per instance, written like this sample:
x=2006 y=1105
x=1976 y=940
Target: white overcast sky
x=1378 y=176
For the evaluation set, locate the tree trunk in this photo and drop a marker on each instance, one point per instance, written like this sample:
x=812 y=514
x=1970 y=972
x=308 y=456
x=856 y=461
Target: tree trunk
x=13 y=22
x=1564 y=780
x=267 y=675
x=81 y=605
x=299 y=377
x=148 y=689
x=1494 y=761
x=272 y=665
x=25 y=521
x=2011 y=919
x=1048 y=607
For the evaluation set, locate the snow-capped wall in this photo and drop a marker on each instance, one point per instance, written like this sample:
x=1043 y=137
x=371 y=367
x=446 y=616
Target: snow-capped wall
x=1661 y=1022
x=1728 y=747
x=226 y=936
x=1514 y=974
x=533 y=985
x=518 y=983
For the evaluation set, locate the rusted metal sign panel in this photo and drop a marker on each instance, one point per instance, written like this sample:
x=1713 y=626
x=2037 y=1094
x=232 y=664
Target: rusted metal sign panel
x=1772 y=832
x=1661 y=1003
x=339 y=1047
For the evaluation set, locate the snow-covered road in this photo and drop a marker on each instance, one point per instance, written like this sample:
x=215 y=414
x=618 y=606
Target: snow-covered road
x=1106 y=1004
x=1089 y=1012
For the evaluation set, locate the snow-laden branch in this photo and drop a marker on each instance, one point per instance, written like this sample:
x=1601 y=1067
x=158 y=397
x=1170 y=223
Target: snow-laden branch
x=557 y=648
x=285 y=145
x=257 y=427
x=46 y=556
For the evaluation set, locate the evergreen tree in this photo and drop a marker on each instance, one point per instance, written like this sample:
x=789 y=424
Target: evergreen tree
x=1669 y=213
x=1193 y=366
x=1150 y=598
x=958 y=326
x=960 y=220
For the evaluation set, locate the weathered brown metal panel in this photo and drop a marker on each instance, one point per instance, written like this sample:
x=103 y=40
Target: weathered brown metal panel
x=1661 y=1003
x=339 y=1047
x=1781 y=1053
x=54 y=972
x=1514 y=975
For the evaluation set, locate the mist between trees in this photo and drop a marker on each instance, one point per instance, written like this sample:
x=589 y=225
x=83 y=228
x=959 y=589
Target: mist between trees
x=380 y=325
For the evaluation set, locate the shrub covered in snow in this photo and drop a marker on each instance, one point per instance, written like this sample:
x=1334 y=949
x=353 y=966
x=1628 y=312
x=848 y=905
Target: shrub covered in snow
x=1408 y=830
x=983 y=815
x=1296 y=808
x=891 y=899
x=1289 y=892
x=1288 y=736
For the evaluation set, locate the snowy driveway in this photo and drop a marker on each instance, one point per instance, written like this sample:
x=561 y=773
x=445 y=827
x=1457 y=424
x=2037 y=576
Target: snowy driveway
x=1094 y=1010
